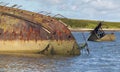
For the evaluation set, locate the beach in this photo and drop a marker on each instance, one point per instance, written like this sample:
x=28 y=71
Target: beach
x=88 y=29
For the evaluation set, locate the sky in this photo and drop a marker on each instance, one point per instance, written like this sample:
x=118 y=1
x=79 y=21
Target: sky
x=103 y=10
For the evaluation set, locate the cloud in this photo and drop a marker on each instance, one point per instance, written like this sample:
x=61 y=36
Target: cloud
x=103 y=4
x=97 y=9
x=87 y=9
x=50 y=2
x=56 y=1
x=74 y=7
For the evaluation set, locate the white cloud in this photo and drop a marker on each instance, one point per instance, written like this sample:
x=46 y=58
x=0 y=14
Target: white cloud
x=56 y=1
x=104 y=4
x=86 y=1
x=74 y=7
x=89 y=9
x=104 y=12
x=51 y=2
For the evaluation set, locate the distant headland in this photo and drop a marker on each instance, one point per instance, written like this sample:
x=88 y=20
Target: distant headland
x=88 y=25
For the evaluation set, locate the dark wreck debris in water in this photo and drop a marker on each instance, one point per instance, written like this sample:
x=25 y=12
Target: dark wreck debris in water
x=99 y=35
x=23 y=31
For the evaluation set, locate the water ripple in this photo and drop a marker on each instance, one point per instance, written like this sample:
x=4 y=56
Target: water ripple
x=104 y=57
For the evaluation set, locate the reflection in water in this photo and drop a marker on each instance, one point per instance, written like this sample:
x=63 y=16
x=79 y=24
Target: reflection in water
x=104 y=57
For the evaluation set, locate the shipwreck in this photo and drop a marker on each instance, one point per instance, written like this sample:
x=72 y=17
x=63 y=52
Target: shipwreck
x=98 y=34
x=24 y=31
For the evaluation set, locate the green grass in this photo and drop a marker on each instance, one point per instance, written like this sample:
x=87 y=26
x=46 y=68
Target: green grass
x=75 y=23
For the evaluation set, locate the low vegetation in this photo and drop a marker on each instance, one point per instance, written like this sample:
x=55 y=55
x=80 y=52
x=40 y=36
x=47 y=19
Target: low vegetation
x=75 y=23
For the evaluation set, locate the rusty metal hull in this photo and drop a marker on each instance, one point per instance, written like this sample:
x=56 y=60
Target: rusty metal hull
x=28 y=32
x=106 y=37
x=40 y=47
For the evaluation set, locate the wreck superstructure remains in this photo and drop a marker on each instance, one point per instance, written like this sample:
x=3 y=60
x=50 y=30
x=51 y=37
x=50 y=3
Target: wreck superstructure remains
x=23 y=31
x=99 y=35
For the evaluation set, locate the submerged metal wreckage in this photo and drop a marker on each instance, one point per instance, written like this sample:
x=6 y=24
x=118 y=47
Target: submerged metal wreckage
x=23 y=31
x=99 y=35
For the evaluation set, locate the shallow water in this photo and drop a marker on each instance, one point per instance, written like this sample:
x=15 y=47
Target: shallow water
x=104 y=57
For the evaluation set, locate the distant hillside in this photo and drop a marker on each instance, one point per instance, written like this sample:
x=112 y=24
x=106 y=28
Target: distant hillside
x=75 y=23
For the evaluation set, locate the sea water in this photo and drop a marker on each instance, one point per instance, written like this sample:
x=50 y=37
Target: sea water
x=103 y=57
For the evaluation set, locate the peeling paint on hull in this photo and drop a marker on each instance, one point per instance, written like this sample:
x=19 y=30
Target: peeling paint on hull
x=55 y=47
x=28 y=32
x=107 y=37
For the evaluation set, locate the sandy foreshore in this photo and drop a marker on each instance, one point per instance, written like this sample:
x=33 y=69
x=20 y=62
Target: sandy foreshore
x=88 y=30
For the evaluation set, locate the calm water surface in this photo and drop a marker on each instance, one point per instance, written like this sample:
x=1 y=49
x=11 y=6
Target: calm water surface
x=104 y=57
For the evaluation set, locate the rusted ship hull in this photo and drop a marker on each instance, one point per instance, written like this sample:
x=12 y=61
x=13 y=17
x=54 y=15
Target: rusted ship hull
x=28 y=32
x=40 y=47
x=99 y=35
x=107 y=37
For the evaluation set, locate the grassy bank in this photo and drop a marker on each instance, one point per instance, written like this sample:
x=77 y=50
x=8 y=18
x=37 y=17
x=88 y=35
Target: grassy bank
x=75 y=23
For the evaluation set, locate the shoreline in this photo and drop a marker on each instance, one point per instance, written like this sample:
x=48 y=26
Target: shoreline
x=88 y=30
